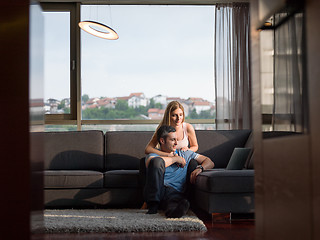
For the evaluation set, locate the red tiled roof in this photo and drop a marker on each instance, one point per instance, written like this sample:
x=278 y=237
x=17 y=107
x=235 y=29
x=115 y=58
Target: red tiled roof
x=153 y=110
x=93 y=106
x=104 y=101
x=194 y=99
x=92 y=100
x=123 y=98
x=174 y=99
x=201 y=103
x=136 y=94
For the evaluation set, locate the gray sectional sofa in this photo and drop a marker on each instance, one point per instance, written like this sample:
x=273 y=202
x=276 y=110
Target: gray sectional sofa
x=91 y=169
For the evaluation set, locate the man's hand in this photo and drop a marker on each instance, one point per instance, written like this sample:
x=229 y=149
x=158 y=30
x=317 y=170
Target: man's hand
x=205 y=162
x=194 y=175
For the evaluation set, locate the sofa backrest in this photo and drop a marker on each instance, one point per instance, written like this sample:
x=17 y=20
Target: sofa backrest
x=218 y=145
x=74 y=150
x=85 y=150
x=125 y=149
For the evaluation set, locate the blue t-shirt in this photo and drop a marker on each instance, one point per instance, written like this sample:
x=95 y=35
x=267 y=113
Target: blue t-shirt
x=175 y=176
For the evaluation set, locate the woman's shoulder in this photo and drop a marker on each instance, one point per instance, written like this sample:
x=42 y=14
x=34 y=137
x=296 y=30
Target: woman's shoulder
x=189 y=127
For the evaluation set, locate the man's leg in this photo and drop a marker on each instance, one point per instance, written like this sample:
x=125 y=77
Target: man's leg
x=189 y=187
x=153 y=190
x=175 y=204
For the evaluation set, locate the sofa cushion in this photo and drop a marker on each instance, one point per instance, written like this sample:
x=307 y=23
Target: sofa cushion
x=218 y=145
x=72 y=179
x=239 y=158
x=125 y=149
x=122 y=179
x=74 y=150
x=226 y=181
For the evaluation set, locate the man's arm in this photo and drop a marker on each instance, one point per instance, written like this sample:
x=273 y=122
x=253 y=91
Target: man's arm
x=169 y=160
x=205 y=162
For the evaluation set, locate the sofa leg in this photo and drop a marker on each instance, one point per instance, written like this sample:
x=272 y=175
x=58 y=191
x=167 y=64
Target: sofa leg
x=221 y=217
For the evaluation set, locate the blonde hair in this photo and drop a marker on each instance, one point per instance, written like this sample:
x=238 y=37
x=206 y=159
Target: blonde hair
x=172 y=106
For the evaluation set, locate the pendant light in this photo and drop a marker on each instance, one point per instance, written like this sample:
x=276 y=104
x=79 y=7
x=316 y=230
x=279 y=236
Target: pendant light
x=108 y=32
x=98 y=29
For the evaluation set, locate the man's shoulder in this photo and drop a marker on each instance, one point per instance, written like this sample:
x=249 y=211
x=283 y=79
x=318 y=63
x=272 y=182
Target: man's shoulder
x=152 y=155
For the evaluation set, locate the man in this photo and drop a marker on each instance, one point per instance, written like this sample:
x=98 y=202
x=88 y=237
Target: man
x=166 y=176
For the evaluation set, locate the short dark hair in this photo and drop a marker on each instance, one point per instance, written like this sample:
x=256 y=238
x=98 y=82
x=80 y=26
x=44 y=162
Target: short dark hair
x=163 y=131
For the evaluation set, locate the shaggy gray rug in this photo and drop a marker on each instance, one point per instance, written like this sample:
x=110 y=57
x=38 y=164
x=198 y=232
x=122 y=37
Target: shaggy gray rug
x=117 y=220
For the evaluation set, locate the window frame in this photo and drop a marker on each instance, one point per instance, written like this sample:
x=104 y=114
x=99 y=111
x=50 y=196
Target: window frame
x=75 y=116
x=74 y=63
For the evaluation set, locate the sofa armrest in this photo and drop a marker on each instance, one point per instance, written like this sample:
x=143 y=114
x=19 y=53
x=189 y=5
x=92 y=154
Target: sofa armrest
x=222 y=181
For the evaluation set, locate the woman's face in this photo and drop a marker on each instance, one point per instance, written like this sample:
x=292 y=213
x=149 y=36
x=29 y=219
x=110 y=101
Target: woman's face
x=176 y=117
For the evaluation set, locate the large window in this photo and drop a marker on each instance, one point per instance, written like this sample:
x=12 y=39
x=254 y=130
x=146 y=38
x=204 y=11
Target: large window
x=163 y=53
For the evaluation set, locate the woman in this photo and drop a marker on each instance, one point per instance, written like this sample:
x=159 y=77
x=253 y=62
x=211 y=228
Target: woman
x=174 y=116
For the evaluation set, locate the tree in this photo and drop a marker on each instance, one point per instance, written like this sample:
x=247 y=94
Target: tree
x=205 y=114
x=121 y=105
x=62 y=104
x=152 y=103
x=193 y=114
x=66 y=110
x=85 y=98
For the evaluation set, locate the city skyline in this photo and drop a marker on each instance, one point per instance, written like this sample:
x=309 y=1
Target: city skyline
x=101 y=97
x=161 y=49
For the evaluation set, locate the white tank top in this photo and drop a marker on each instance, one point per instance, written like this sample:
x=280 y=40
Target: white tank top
x=184 y=142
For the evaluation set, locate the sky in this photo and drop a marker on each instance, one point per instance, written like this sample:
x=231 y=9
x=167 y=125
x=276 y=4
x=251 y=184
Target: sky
x=164 y=50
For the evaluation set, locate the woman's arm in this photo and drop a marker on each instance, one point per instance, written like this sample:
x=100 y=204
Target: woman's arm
x=192 y=138
x=170 y=160
x=151 y=148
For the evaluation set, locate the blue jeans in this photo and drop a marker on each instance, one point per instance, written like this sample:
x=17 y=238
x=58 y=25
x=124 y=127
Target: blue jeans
x=154 y=190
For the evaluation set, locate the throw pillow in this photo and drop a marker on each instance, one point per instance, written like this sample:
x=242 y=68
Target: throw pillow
x=221 y=154
x=238 y=158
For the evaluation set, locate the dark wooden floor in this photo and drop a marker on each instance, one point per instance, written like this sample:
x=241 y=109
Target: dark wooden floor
x=219 y=228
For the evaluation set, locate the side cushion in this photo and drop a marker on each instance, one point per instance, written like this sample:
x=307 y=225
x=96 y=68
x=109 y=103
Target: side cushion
x=72 y=179
x=74 y=150
x=239 y=158
x=122 y=179
x=125 y=149
x=218 y=145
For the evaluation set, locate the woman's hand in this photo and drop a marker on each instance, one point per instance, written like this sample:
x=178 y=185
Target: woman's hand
x=172 y=154
x=184 y=149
